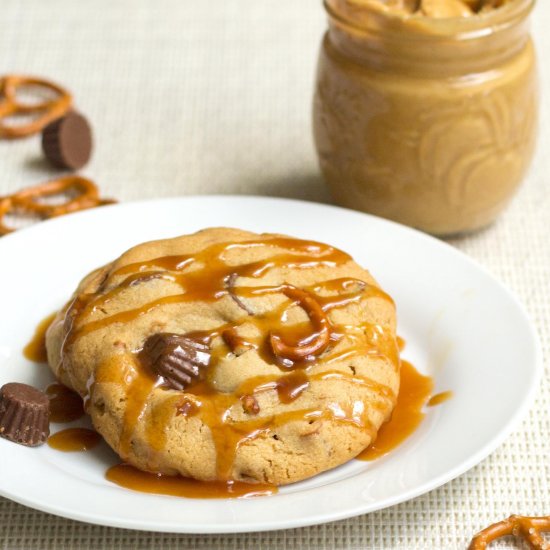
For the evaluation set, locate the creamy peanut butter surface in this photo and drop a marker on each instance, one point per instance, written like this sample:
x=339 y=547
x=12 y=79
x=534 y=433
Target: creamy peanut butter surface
x=439 y=9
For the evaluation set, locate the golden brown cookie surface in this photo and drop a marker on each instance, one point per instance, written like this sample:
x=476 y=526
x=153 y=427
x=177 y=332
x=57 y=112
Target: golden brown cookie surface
x=231 y=355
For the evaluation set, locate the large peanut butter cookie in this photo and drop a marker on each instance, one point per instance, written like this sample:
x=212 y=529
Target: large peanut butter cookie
x=231 y=355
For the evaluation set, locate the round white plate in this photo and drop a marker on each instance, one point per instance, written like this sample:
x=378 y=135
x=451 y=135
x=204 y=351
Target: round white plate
x=461 y=326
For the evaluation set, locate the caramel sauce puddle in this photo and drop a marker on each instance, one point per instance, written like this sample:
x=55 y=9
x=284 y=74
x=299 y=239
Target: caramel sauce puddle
x=131 y=478
x=407 y=415
x=35 y=350
x=74 y=440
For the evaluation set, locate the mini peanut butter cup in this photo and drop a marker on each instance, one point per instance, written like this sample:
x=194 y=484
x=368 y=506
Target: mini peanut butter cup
x=179 y=359
x=24 y=414
x=67 y=141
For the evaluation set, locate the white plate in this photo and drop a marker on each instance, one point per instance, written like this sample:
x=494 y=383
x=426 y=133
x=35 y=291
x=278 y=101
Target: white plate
x=461 y=326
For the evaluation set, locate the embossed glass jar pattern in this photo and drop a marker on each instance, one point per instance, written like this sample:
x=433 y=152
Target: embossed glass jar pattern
x=429 y=122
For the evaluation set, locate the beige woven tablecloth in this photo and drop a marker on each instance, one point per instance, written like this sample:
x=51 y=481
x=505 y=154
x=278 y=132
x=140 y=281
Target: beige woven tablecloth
x=206 y=96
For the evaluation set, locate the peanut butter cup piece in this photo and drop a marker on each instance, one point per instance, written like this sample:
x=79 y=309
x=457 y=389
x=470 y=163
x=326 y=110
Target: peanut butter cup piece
x=67 y=141
x=24 y=414
x=180 y=360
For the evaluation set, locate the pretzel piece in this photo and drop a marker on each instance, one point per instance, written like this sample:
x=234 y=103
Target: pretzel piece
x=317 y=341
x=86 y=194
x=26 y=200
x=50 y=109
x=6 y=207
x=527 y=528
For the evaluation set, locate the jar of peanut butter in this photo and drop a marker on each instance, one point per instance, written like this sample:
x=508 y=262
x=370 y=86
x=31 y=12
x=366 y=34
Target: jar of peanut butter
x=425 y=110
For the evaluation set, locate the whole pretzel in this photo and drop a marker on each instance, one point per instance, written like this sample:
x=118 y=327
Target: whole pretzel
x=25 y=201
x=318 y=341
x=10 y=106
x=527 y=528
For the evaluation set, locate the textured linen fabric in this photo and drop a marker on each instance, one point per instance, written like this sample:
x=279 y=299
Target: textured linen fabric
x=206 y=96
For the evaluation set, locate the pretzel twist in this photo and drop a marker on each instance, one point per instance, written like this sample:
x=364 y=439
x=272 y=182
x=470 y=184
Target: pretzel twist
x=26 y=200
x=47 y=111
x=319 y=339
x=527 y=528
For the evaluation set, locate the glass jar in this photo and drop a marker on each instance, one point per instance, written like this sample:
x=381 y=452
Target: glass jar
x=429 y=122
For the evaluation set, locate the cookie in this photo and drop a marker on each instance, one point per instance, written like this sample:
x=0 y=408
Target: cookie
x=228 y=355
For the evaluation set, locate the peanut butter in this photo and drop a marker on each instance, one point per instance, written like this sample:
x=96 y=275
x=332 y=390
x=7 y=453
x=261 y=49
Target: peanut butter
x=425 y=110
x=439 y=9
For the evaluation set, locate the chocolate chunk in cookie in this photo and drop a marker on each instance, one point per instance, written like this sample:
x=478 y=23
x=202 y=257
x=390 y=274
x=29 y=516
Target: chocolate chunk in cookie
x=230 y=284
x=179 y=359
x=24 y=414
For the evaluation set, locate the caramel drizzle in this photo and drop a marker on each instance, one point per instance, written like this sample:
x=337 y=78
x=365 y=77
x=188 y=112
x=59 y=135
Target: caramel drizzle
x=215 y=409
x=206 y=283
x=204 y=276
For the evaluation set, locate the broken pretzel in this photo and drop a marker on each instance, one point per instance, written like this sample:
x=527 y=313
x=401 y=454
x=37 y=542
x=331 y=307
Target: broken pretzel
x=527 y=528
x=317 y=342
